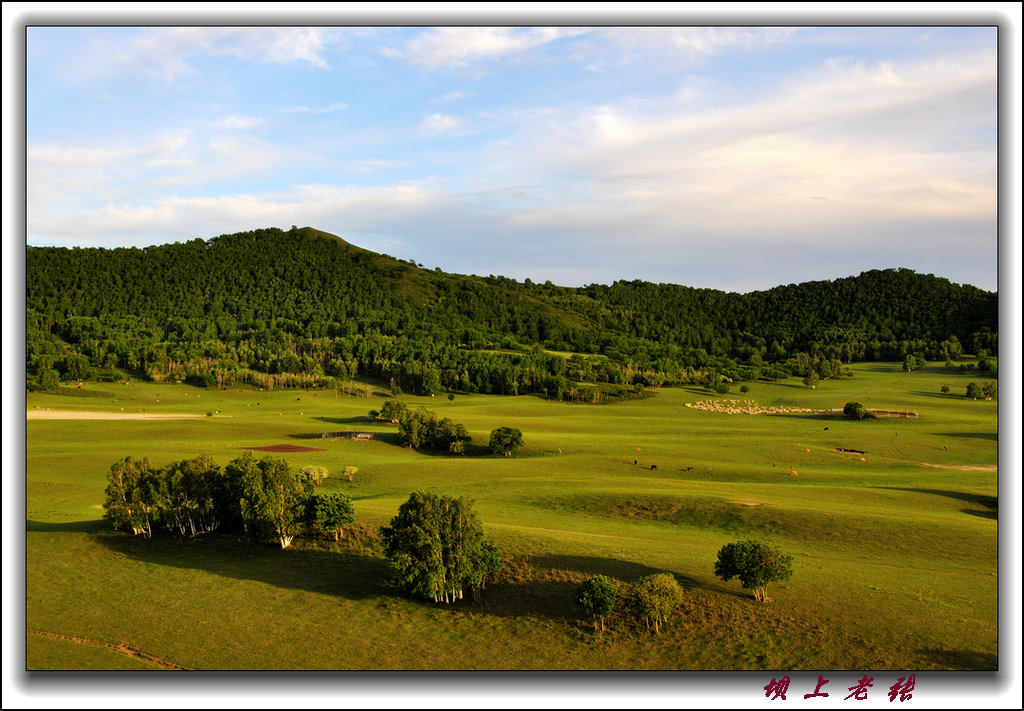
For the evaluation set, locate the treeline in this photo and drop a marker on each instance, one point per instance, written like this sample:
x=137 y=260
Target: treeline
x=300 y=308
x=264 y=499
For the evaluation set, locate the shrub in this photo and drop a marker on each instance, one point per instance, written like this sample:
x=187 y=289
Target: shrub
x=744 y=389
x=653 y=599
x=944 y=388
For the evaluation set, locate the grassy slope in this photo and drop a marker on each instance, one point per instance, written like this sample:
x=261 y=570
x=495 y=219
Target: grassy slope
x=895 y=562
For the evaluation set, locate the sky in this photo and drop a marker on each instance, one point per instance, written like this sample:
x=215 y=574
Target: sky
x=736 y=157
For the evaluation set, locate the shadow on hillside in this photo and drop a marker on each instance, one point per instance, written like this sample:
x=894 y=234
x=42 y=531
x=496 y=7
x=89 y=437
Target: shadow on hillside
x=946 y=396
x=344 y=420
x=471 y=450
x=626 y=571
x=993 y=436
x=93 y=526
x=349 y=574
x=990 y=504
x=962 y=659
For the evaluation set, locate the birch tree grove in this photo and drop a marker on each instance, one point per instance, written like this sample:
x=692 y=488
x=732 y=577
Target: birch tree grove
x=130 y=496
x=187 y=496
x=273 y=499
x=436 y=545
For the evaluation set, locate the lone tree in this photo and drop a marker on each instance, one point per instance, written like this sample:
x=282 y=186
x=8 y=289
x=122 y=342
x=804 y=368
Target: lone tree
x=654 y=598
x=597 y=595
x=855 y=411
x=755 y=564
x=436 y=545
x=973 y=391
x=315 y=474
x=506 y=439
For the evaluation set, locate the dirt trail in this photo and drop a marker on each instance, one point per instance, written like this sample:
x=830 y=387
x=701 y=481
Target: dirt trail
x=119 y=648
x=93 y=415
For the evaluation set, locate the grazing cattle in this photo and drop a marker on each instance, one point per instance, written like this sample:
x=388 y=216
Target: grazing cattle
x=689 y=469
x=653 y=467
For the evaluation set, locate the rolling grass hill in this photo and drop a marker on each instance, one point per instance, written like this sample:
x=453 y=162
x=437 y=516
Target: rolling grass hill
x=894 y=550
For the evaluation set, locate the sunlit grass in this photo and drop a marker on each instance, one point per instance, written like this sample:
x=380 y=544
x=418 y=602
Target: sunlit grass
x=895 y=561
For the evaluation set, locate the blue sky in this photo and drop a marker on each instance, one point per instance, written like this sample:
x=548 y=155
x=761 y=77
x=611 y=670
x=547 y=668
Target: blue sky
x=737 y=158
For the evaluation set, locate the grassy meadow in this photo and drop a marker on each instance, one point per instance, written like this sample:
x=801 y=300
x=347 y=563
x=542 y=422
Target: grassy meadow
x=895 y=550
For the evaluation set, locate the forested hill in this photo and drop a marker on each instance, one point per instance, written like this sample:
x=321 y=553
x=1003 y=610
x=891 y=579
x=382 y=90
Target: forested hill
x=303 y=303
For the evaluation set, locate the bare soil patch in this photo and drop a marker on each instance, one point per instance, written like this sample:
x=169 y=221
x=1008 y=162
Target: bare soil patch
x=285 y=448
x=747 y=503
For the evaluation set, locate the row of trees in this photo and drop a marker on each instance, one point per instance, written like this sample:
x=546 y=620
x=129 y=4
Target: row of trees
x=263 y=498
x=421 y=428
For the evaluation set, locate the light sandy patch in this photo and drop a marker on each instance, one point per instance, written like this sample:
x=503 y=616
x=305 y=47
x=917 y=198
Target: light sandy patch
x=961 y=467
x=747 y=503
x=87 y=415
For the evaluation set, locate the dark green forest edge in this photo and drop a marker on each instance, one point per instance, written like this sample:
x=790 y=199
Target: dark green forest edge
x=302 y=308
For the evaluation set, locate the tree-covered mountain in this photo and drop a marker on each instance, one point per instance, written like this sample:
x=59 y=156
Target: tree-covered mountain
x=298 y=307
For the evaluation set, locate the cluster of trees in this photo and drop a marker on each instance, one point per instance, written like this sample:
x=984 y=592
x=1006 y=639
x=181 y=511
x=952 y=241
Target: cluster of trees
x=653 y=598
x=302 y=308
x=988 y=391
x=421 y=428
x=263 y=498
x=437 y=548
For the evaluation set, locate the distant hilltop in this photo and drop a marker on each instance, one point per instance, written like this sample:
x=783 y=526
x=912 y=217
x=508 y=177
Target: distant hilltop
x=306 y=303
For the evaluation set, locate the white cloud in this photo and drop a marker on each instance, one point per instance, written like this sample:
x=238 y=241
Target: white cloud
x=368 y=165
x=164 y=53
x=237 y=122
x=314 y=110
x=461 y=46
x=451 y=96
x=440 y=123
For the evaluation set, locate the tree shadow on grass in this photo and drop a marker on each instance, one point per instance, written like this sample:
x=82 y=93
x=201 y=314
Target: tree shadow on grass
x=344 y=420
x=947 y=396
x=990 y=504
x=962 y=659
x=351 y=574
x=92 y=526
x=993 y=436
x=624 y=570
x=471 y=450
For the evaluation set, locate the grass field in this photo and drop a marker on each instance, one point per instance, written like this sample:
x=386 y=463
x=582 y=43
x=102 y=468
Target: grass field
x=895 y=551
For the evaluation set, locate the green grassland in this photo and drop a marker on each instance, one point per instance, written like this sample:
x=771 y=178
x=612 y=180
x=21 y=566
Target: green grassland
x=895 y=551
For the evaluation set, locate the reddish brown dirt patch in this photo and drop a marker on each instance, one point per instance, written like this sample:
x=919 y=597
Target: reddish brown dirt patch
x=285 y=448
